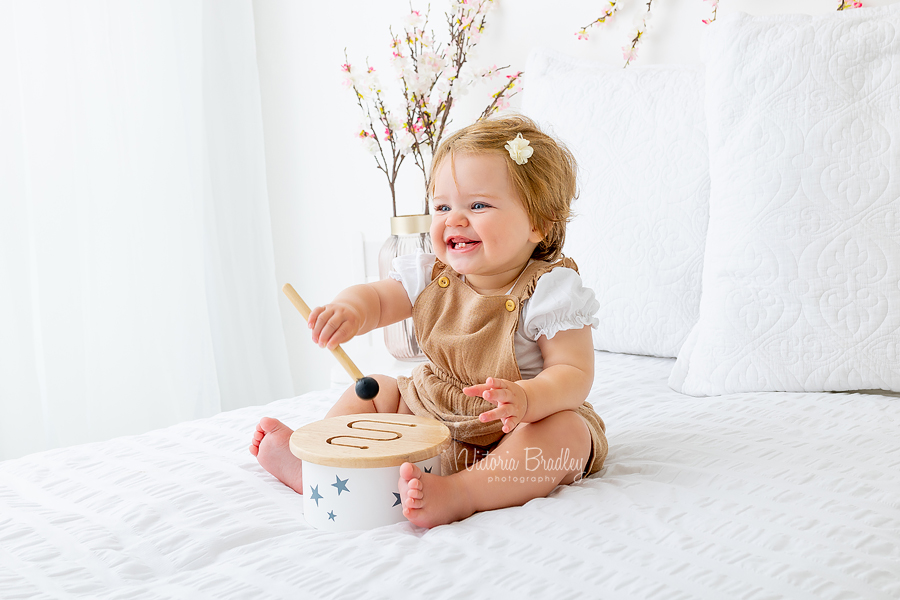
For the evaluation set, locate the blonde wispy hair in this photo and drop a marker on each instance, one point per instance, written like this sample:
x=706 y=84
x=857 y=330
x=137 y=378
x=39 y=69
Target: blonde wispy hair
x=546 y=183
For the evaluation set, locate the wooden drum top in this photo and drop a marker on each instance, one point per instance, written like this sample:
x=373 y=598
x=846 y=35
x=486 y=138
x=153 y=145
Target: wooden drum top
x=370 y=440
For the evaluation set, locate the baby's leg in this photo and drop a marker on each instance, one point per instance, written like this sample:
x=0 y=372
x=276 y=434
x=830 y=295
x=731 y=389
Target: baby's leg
x=270 y=444
x=530 y=461
x=387 y=401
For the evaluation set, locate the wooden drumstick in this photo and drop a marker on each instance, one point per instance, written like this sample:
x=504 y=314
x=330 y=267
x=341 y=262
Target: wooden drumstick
x=366 y=387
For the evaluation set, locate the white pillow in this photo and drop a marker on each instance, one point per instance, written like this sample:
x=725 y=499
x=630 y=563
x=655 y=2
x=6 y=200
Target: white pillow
x=639 y=136
x=801 y=280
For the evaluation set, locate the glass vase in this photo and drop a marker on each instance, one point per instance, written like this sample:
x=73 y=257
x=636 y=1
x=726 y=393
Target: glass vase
x=409 y=234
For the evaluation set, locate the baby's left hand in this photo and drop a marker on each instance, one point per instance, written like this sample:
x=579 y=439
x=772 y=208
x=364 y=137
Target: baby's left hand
x=510 y=398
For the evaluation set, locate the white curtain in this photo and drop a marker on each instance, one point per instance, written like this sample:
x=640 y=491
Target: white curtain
x=137 y=284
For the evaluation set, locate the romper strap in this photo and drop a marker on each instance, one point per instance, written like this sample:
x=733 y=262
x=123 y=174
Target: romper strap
x=437 y=268
x=524 y=287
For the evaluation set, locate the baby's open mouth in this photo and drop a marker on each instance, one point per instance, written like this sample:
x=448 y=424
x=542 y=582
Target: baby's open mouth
x=457 y=243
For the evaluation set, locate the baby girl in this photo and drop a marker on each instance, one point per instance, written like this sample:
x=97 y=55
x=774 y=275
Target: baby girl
x=504 y=321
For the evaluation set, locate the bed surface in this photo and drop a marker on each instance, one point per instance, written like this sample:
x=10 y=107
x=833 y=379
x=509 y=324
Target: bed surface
x=743 y=496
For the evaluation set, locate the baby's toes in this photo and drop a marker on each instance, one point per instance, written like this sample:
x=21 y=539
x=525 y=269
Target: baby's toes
x=414 y=502
x=409 y=472
x=415 y=493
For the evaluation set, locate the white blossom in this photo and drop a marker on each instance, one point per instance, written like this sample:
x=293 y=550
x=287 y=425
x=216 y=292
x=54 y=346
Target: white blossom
x=519 y=149
x=370 y=145
x=405 y=141
x=414 y=20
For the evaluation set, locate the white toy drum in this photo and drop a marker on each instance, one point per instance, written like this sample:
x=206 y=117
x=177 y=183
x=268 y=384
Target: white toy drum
x=351 y=465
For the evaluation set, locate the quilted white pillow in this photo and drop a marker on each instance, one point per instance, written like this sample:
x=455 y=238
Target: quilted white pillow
x=801 y=281
x=639 y=136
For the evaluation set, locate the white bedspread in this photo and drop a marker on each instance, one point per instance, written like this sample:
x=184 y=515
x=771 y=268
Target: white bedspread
x=741 y=496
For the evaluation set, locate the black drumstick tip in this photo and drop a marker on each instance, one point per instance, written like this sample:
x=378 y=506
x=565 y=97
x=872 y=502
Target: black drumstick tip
x=366 y=388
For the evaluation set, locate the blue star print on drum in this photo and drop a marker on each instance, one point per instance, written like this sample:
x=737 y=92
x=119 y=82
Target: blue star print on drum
x=340 y=485
x=315 y=494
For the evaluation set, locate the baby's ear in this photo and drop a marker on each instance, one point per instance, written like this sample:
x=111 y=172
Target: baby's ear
x=536 y=236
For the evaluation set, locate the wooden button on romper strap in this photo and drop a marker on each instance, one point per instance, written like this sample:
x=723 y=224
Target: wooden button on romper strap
x=443 y=282
x=510 y=305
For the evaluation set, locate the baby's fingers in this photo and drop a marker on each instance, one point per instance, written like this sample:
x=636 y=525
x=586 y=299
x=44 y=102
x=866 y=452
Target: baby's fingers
x=342 y=334
x=495 y=396
x=314 y=316
x=476 y=390
x=509 y=423
x=330 y=335
x=479 y=389
x=502 y=413
x=491 y=415
x=330 y=328
x=318 y=319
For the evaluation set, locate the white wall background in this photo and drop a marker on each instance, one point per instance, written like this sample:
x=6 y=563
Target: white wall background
x=324 y=190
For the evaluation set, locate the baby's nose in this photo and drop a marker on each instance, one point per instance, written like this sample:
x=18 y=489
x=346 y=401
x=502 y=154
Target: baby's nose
x=457 y=219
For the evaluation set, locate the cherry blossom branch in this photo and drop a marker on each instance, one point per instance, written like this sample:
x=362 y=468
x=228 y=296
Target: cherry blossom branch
x=608 y=14
x=369 y=98
x=715 y=7
x=431 y=77
x=642 y=24
x=500 y=97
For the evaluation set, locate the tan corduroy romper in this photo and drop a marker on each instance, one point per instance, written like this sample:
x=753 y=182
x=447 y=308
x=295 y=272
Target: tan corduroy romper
x=468 y=338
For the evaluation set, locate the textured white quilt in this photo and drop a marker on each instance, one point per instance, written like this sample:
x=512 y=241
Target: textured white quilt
x=743 y=496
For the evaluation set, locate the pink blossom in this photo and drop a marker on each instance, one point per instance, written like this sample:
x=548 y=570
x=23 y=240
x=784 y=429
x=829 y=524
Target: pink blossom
x=629 y=53
x=491 y=72
x=582 y=35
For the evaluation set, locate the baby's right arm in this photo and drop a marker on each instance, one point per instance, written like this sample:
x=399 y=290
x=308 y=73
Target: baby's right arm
x=359 y=309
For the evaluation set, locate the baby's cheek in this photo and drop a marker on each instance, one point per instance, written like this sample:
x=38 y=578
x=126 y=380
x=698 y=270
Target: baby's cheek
x=437 y=231
x=440 y=249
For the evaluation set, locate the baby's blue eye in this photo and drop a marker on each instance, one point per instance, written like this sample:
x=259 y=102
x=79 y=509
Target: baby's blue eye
x=442 y=208
x=479 y=206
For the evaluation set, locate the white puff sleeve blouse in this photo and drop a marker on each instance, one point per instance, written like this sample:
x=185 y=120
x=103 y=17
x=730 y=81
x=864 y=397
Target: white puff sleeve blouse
x=559 y=302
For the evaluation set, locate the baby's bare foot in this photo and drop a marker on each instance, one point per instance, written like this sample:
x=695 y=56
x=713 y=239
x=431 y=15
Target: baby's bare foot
x=270 y=446
x=430 y=500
